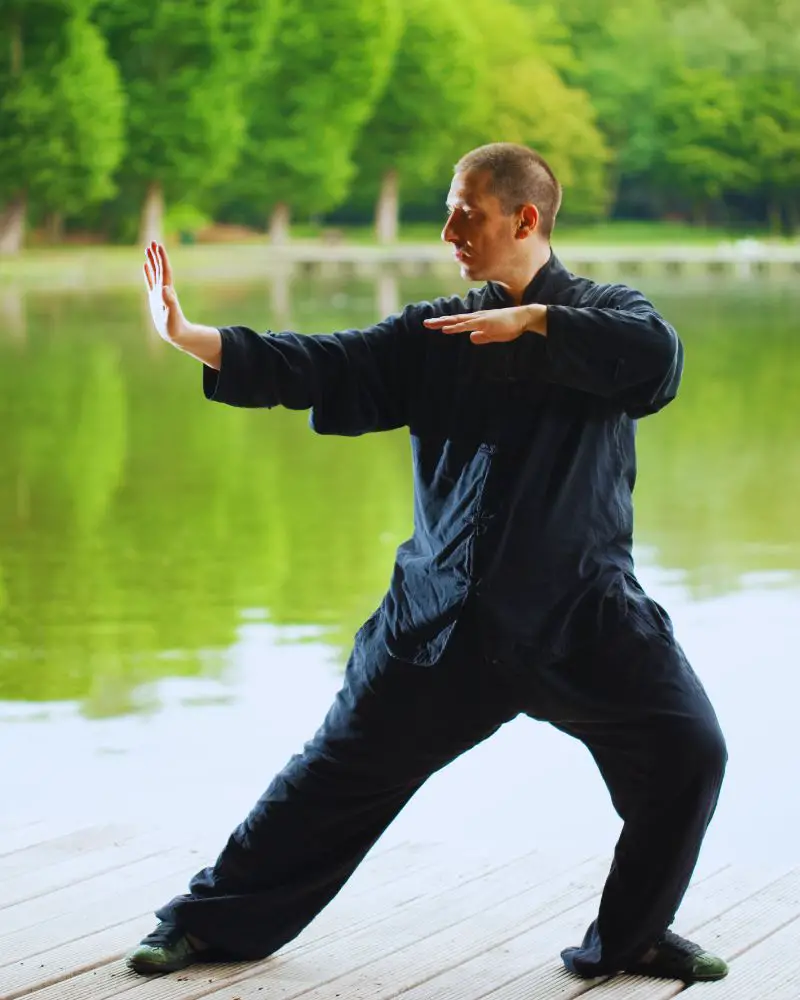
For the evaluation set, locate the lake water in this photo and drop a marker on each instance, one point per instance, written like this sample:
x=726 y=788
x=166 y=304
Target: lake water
x=180 y=582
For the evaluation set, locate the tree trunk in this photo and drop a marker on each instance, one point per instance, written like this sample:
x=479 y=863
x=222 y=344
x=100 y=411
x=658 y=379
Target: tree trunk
x=12 y=224
x=281 y=294
x=54 y=227
x=279 y=223
x=774 y=216
x=387 y=295
x=700 y=213
x=793 y=217
x=152 y=221
x=12 y=314
x=387 y=210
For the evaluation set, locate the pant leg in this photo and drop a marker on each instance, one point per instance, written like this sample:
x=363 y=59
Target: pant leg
x=636 y=703
x=390 y=727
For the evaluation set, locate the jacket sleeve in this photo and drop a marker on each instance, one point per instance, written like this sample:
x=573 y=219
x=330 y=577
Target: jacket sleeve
x=620 y=349
x=354 y=382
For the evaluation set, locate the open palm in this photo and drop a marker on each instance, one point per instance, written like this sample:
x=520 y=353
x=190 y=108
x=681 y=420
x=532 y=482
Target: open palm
x=165 y=309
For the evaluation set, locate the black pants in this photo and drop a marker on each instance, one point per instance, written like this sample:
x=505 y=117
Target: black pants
x=631 y=697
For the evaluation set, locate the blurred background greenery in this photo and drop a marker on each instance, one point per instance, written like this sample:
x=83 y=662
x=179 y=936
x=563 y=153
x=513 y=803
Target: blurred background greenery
x=225 y=118
x=141 y=527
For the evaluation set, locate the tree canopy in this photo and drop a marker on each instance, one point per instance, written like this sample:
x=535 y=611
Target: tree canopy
x=239 y=109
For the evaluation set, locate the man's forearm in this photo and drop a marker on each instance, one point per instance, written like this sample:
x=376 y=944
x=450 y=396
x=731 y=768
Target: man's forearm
x=202 y=342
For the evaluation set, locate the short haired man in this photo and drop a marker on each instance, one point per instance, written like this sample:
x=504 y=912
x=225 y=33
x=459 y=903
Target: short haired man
x=516 y=593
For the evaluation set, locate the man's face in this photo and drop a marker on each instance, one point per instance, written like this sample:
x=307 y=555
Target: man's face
x=486 y=242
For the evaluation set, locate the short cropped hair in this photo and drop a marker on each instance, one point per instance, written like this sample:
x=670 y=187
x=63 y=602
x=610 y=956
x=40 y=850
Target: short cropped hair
x=520 y=176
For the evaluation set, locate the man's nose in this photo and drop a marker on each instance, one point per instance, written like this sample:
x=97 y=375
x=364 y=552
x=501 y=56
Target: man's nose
x=448 y=236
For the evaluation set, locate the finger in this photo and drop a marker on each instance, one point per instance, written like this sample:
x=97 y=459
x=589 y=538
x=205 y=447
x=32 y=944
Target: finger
x=157 y=262
x=148 y=276
x=166 y=264
x=482 y=337
x=438 y=322
x=462 y=327
x=151 y=257
x=491 y=337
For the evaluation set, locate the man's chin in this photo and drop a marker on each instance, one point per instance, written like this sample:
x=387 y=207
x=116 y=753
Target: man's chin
x=470 y=270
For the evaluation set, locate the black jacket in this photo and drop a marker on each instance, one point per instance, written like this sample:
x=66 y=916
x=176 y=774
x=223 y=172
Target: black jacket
x=523 y=453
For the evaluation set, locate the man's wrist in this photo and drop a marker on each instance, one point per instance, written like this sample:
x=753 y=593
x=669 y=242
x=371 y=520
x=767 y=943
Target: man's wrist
x=201 y=342
x=536 y=319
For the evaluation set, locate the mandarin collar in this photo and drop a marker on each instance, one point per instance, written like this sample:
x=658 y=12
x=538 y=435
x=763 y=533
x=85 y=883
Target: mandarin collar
x=546 y=280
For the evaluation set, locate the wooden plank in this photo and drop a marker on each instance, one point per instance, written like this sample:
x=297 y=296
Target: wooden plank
x=55 y=848
x=495 y=972
x=329 y=939
x=705 y=899
x=420 y=934
x=93 y=894
x=70 y=959
x=73 y=871
x=28 y=834
x=769 y=971
x=45 y=922
x=729 y=934
x=107 y=910
x=391 y=876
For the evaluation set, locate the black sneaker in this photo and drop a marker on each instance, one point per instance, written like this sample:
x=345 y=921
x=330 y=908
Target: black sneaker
x=673 y=957
x=166 y=949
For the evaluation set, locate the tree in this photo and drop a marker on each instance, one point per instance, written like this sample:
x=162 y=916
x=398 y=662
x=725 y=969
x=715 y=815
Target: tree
x=186 y=65
x=416 y=127
x=309 y=103
x=772 y=122
x=61 y=109
x=699 y=117
x=623 y=53
x=523 y=98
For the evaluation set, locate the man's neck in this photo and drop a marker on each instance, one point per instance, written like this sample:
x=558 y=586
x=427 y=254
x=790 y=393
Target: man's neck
x=515 y=286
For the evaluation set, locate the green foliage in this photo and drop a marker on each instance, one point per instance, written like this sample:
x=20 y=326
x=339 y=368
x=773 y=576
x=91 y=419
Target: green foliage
x=699 y=118
x=182 y=218
x=236 y=106
x=623 y=53
x=185 y=64
x=522 y=98
x=310 y=100
x=416 y=127
x=61 y=106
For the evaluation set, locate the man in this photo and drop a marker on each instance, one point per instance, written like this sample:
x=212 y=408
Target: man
x=515 y=594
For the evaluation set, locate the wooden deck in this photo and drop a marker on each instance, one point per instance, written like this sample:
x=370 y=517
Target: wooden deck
x=416 y=921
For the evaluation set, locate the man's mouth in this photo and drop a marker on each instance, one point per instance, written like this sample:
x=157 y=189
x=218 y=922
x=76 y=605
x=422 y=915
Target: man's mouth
x=460 y=254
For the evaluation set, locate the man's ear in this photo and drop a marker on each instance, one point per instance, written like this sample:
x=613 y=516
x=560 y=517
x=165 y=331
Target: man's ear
x=528 y=222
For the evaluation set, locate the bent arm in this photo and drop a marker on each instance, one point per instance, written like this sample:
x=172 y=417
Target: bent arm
x=354 y=382
x=622 y=349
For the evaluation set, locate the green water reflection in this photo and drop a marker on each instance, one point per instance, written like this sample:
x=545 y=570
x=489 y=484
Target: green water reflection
x=140 y=526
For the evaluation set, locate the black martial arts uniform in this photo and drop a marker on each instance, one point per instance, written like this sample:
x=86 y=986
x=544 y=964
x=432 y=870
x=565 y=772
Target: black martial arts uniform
x=515 y=594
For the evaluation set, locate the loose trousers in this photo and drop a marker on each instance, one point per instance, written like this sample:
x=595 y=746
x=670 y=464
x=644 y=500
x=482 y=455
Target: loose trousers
x=630 y=697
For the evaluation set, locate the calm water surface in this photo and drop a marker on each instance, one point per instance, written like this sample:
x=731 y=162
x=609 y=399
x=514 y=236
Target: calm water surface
x=180 y=582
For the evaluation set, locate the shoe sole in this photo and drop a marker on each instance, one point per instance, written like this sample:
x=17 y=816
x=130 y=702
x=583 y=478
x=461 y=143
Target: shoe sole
x=654 y=974
x=151 y=969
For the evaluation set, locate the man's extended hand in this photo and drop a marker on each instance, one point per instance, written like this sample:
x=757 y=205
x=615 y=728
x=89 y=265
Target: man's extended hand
x=493 y=326
x=164 y=306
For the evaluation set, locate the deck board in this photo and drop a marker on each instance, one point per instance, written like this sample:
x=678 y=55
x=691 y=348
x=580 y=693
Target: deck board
x=420 y=921
x=768 y=971
x=29 y=851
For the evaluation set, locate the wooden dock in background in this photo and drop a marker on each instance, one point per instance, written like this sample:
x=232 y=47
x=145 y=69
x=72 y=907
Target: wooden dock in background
x=416 y=921
x=110 y=267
